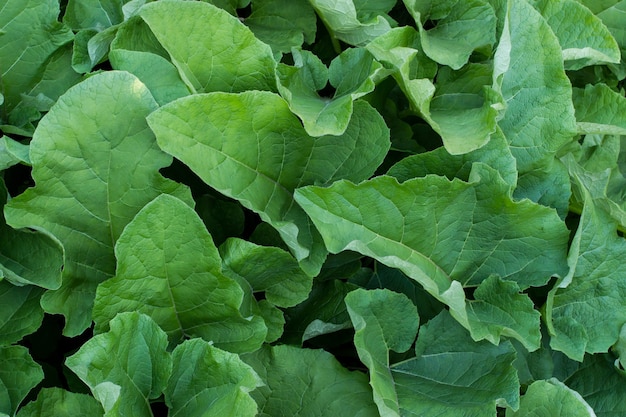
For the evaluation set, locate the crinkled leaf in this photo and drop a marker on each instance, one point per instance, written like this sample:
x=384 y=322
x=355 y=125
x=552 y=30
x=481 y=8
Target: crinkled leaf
x=133 y=356
x=539 y=115
x=587 y=309
x=308 y=383
x=267 y=269
x=93 y=14
x=20 y=312
x=169 y=268
x=584 y=39
x=210 y=382
x=612 y=15
x=283 y=24
x=93 y=173
x=600 y=110
x=601 y=384
x=462 y=27
x=250 y=147
x=60 y=403
x=551 y=398
x=549 y=186
x=31 y=35
x=495 y=153
x=29 y=257
x=213 y=50
x=383 y=321
x=158 y=74
x=342 y=19
x=409 y=226
x=454 y=376
x=352 y=74
x=19 y=373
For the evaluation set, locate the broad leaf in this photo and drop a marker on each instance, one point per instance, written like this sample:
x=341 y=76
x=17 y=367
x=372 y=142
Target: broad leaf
x=586 y=310
x=600 y=110
x=528 y=71
x=265 y=155
x=410 y=226
x=60 y=403
x=551 y=398
x=19 y=373
x=213 y=50
x=132 y=356
x=20 y=312
x=93 y=173
x=584 y=39
x=267 y=269
x=210 y=382
x=12 y=152
x=169 y=268
x=308 y=383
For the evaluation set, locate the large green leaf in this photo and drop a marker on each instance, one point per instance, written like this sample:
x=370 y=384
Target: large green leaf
x=539 y=115
x=210 y=382
x=213 y=50
x=446 y=234
x=20 y=312
x=60 y=403
x=169 y=268
x=551 y=398
x=131 y=356
x=93 y=14
x=462 y=27
x=612 y=14
x=95 y=165
x=19 y=373
x=250 y=147
x=587 y=309
x=12 y=152
x=308 y=383
x=28 y=256
x=31 y=36
x=584 y=39
x=600 y=110
x=383 y=321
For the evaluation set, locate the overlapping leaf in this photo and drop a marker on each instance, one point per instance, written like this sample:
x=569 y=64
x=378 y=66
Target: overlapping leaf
x=250 y=147
x=169 y=268
x=20 y=312
x=61 y=403
x=19 y=373
x=410 y=226
x=95 y=165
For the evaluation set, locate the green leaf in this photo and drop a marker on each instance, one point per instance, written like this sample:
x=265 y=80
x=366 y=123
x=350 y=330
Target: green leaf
x=133 y=356
x=452 y=375
x=344 y=23
x=308 y=383
x=551 y=398
x=91 y=48
x=462 y=27
x=31 y=35
x=495 y=153
x=584 y=39
x=60 y=403
x=169 y=268
x=12 y=153
x=443 y=234
x=19 y=373
x=20 y=312
x=207 y=381
x=213 y=50
x=267 y=269
x=539 y=116
x=383 y=321
x=158 y=74
x=600 y=110
x=586 y=310
x=612 y=13
x=601 y=384
x=282 y=24
x=266 y=154
x=549 y=186
x=352 y=73
x=93 y=173
x=93 y=14
x=29 y=257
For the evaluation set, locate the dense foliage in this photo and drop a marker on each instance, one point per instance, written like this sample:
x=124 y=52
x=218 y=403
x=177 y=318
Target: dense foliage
x=312 y=208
